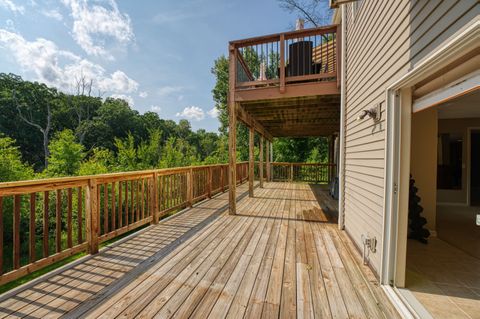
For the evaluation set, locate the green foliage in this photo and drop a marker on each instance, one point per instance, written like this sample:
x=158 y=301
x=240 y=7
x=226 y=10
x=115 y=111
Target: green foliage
x=66 y=154
x=11 y=166
x=101 y=162
x=178 y=152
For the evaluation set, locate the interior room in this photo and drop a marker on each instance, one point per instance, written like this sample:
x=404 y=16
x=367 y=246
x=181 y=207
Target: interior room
x=443 y=250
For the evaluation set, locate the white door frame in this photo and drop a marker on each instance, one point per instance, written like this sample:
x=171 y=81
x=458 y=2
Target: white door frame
x=397 y=151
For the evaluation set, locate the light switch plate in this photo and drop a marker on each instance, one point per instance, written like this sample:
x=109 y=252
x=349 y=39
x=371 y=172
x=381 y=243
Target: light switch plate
x=478 y=219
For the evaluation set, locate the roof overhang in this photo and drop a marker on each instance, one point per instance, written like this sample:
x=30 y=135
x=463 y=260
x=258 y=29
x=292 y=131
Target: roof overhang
x=335 y=3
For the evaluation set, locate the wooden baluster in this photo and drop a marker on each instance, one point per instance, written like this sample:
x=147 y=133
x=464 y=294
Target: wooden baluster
x=91 y=215
x=31 y=229
x=282 y=63
x=222 y=182
x=210 y=181
x=120 y=205
x=261 y=161
x=126 y=203
x=79 y=215
x=137 y=199
x=160 y=200
x=105 y=208
x=1 y=235
x=189 y=187
x=16 y=231
x=155 y=198
x=58 y=221
x=132 y=203
x=114 y=211
x=69 y=218
x=142 y=181
x=98 y=208
x=46 y=200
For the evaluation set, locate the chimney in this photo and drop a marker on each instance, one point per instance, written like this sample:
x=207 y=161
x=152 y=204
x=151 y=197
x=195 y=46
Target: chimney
x=299 y=25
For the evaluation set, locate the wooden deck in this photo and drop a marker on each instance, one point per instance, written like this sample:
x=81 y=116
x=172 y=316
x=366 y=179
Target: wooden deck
x=282 y=255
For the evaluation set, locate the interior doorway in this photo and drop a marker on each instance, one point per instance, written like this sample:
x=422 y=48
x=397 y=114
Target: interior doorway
x=443 y=258
x=475 y=168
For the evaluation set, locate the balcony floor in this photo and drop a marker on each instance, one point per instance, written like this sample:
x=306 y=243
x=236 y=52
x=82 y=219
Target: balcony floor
x=282 y=255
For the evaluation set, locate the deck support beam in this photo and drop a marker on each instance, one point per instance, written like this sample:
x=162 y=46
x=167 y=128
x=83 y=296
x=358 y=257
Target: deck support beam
x=260 y=168
x=251 y=160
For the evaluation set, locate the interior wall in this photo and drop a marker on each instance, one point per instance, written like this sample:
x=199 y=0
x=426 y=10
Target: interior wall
x=423 y=161
x=459 y=126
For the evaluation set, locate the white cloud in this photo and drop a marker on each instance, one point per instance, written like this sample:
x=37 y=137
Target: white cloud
x=124 y=97
x=143 y=94
x=9 y=5
x=60 y=68
x=213 y=112
x=192 y=113
x=94 y=24
x=53 y=13
x=155 y=108
x=169 y=90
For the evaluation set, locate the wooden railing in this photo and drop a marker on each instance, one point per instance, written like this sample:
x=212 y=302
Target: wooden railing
x=44 y=221
x=291 y=57
x=303 y=172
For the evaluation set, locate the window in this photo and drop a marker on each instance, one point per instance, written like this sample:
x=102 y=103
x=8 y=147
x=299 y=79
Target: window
x=449 y=161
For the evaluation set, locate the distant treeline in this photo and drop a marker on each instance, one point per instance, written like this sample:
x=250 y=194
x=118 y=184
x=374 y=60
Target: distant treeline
x=46 y=133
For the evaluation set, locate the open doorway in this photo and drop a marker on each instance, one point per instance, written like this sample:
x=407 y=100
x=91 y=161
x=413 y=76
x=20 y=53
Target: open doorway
x=443 y=259
x=475 y=169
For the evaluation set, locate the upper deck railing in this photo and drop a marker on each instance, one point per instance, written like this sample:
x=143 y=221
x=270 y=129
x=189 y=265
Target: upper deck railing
x=48 y=220
x=309 y=55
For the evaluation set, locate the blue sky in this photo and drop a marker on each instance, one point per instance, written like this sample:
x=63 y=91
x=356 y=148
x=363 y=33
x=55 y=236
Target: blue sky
x=156 y=54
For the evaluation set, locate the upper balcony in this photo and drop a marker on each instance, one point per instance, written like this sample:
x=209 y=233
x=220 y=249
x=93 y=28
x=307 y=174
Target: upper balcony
x=287 y=84
x=285 y=65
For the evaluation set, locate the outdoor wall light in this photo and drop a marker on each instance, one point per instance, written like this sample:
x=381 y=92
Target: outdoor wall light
x=373 y=113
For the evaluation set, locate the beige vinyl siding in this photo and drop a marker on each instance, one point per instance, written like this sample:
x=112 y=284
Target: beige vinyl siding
x=384 y=40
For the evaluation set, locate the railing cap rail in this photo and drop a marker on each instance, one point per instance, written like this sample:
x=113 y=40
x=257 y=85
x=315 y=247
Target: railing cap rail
x=85 y=178
x=287 y=35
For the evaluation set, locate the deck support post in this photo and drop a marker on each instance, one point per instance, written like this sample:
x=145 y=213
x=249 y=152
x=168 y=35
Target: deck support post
x=232 y=131
x=251 y=160
x=232 y=161
x=267 y=145
x=260 y=170
x=91 y=216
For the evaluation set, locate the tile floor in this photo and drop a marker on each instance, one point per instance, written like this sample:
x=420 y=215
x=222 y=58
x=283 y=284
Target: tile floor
x=444 y=279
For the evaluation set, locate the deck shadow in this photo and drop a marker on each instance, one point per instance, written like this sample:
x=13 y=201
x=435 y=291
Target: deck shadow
x=106 y=293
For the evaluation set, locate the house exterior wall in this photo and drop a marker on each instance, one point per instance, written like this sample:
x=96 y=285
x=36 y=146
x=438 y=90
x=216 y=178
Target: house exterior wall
x=384 y=40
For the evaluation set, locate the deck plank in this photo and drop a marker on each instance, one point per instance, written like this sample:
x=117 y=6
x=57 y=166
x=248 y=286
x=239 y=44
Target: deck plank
x=281 y=256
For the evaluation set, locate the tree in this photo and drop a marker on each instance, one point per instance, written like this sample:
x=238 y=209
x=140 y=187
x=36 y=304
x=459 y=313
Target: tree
x=34 y=105
x=101 y=162
x=11 y=166
x=126 y=153
x=177 y=152
x=314 y=12
x=66 y=154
